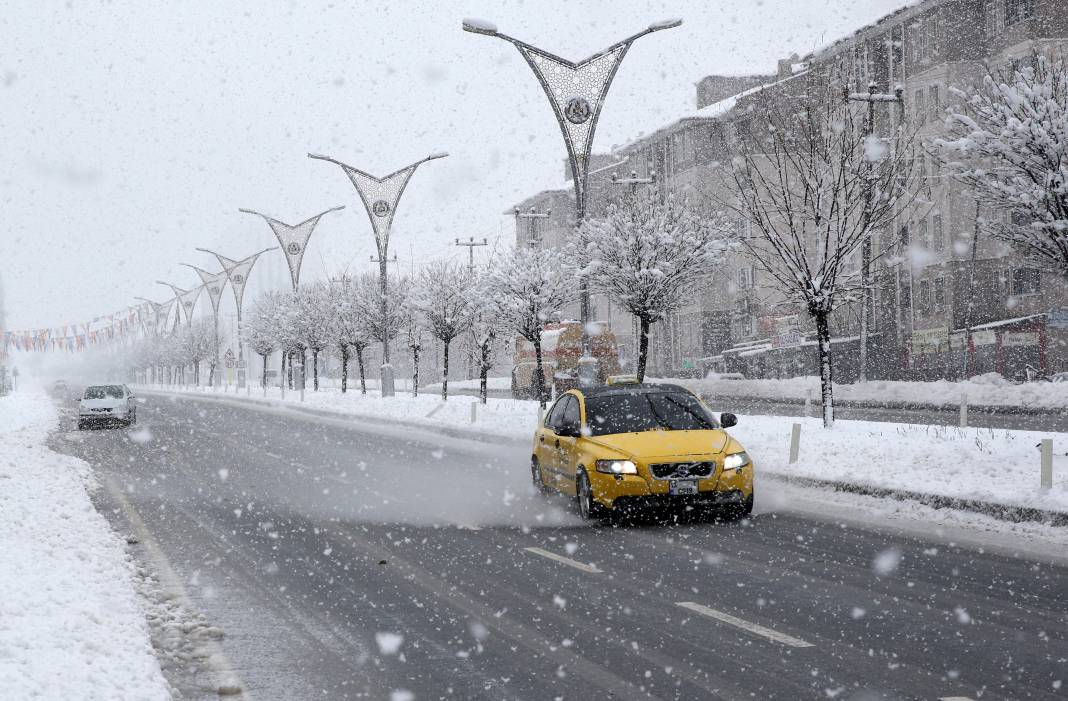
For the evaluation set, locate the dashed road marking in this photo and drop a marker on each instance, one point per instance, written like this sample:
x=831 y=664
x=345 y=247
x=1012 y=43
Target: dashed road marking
x=955 y=698
x=590 y=569
x=272 y=455
x=468 y=527
x=754 y=628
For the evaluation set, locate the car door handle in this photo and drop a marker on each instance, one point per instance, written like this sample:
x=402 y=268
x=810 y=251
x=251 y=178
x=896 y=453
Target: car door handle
x=557 y=442
x=541 y=438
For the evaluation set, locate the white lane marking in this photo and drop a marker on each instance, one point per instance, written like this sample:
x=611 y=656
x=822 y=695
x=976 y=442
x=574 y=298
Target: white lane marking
x=955 y=698
x=565 y=560
x=744 y=625
x=468 y=527
x=272 y=455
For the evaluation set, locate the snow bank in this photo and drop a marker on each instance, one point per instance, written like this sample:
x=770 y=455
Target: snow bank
x=976 y=463
x=71 y=624
x=990 y=390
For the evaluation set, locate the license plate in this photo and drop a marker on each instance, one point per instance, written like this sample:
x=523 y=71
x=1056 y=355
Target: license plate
x=682 y=487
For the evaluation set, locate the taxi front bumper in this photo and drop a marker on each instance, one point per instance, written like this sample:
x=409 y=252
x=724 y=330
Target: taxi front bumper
x=722 y=487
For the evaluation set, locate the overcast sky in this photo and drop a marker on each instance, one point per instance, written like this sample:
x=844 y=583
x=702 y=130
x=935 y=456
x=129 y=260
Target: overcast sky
x=132 y=132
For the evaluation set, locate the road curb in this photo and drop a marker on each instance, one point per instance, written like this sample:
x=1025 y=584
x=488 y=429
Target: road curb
x=1002 y=512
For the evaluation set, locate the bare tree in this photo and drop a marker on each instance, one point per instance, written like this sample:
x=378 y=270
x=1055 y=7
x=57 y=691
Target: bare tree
x=194 y=344
x=531 y=285
x=262 y=326
x=813 y=186
x=315 y=322
x=1008 y=143
x=487 y=320
x=367 y=301
x=649 y=255
x=441 y=296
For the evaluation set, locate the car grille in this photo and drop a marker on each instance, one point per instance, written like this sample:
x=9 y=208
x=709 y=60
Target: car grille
x=99 y=409
x=682 y=470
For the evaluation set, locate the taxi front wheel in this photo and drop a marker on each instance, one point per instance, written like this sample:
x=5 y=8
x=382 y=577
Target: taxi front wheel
x=588 y=506
x=535 y=478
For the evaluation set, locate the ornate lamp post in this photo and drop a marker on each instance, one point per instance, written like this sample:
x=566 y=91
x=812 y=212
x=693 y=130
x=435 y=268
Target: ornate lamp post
x=237 y=272
x=576 y=91
x=187 y=300
x=380 y=197
x=214 y=284
x=293 y=238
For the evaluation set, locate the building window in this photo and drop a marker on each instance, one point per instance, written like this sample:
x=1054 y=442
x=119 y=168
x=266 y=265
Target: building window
x=940 y=293
x=933 y=103
x=1003 y=282
x=938 y=240
x=1026 y=281
x=919 y=110
x=925 y=297
x=921 y=235
x=745 y=278
x=1018 y=11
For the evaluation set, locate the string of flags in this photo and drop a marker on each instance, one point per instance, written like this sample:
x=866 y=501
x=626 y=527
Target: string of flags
x=72 y=338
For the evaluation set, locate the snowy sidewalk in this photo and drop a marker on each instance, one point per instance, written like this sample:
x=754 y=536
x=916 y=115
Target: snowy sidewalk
x=990 y=390
x=991 y=466
x=71 y=623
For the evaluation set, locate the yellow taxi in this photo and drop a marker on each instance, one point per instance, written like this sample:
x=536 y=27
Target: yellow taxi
x=631 y=445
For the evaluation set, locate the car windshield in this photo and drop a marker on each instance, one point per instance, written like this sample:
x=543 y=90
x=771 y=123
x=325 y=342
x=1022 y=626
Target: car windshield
x=646 y=411
x=104 y=392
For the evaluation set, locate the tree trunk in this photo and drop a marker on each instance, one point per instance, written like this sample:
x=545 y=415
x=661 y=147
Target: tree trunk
x=303 y=366
x=445 y=373
x=315 y=369
x=483 y=371
x=344 y=368
x=282 y=378
x=415 y=371
x=539 y=374
x=264 y=382
x=643 y=347
x=823 y=341
x=359 y=362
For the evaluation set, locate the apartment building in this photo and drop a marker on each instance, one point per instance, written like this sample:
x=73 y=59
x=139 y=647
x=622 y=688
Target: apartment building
x=955 y=302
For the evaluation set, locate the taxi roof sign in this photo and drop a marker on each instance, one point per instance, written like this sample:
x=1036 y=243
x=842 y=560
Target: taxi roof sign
x=622 y=380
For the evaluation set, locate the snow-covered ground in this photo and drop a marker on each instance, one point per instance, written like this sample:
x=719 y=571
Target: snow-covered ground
x=71 y=623
x=980 y=464
x=991 y=390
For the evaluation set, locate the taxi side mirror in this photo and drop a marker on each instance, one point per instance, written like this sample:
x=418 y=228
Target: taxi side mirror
x=568 y=431
x=727 y=419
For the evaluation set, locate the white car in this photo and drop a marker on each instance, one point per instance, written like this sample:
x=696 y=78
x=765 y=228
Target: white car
x=106 y=403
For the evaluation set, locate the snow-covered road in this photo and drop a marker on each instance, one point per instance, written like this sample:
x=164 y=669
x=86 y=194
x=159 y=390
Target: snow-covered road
x=348 y=560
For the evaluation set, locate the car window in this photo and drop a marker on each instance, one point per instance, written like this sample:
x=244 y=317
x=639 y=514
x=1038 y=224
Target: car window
x=634 y=412
x=104 y=392
x=552 y=419
x=571 y=413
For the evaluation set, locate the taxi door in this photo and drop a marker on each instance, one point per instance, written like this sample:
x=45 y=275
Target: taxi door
x=546 y=442
x=567 y=445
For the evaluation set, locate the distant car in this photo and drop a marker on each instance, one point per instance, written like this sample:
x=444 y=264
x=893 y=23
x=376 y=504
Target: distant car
x=60 y=387
x=624 y=446
x=102 y=404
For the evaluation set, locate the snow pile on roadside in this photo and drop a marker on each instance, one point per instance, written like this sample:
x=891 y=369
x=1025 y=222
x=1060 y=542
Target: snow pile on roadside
x=976 y=463
x=71 y=624
x=992 y=465
x=990 y=389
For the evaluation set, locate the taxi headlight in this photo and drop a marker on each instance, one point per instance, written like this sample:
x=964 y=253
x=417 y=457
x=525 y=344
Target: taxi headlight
x=617 y=467
x=736 y=461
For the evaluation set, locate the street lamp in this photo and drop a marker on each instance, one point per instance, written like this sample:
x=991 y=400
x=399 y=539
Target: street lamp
x=187 y=300
x=576 y=91
x=871 y=97
x=380 y=197
x=237 y=272
x=293 y=238
x=214 y=284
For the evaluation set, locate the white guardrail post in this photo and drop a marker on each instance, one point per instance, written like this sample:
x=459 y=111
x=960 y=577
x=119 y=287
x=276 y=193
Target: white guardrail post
x=808 y=402
x=795 y=442
x=1046 y=470
x=474 y=411
x=964 y=410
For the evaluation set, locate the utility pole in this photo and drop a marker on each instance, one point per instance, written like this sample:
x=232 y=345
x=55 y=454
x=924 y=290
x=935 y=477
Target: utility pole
x=871 y=97
x=533 y=238
x=471 y=244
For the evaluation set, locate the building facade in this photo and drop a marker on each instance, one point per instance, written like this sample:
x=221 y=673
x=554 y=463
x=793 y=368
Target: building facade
x=954 y=302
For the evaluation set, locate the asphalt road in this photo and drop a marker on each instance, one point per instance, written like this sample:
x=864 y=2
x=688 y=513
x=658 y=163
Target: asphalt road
x=347 y=561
